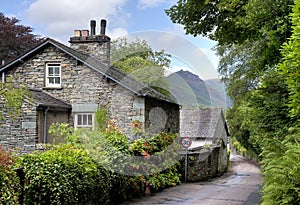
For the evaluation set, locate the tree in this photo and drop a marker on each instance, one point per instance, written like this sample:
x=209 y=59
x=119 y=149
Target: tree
x=15 y=39
x=249 y=35
x=265 y=113
x=139 y=60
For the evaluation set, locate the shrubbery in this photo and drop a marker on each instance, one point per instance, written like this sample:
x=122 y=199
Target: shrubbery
x=9 y=183
x=64 y=175
x=99 y=167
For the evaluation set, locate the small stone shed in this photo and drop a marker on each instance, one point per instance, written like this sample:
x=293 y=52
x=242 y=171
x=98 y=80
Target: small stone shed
x=207 y=156
x=68 y=84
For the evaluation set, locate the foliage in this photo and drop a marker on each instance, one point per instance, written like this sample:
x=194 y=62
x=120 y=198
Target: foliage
x=139 y=60
x=281 y=171
x=64 y=175
x=289 y=66
x=265 y=97
x=162 y=149
x=153 y=163
x=13 y=98
x=9 y=182
x=101 y=118
x=281 y=155
x=15 y=39
x=249 y=35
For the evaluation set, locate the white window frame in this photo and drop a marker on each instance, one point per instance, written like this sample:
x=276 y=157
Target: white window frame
x=78 y=118
x=54 y=75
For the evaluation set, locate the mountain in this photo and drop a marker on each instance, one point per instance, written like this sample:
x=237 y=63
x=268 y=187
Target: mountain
x=189 y=90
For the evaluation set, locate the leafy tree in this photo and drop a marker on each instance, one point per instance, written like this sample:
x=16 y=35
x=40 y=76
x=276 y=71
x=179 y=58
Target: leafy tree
x=15 y=39
x=138 y=59
x=249 y=35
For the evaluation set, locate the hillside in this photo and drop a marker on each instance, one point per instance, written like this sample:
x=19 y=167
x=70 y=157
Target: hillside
x=189 y=89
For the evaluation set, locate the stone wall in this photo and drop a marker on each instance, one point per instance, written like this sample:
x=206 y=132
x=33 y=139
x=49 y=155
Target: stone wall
x=20 y=132
x=206 y=164
x=161 y=116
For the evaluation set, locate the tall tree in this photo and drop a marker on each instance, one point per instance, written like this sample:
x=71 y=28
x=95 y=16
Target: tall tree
x=15 y=38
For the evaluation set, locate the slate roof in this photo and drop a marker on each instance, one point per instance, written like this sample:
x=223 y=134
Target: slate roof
x=43 y=99
x=201 y=123
x=112 y=73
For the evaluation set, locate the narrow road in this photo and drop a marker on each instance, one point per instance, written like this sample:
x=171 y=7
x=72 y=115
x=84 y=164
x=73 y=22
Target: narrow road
x=240 y=186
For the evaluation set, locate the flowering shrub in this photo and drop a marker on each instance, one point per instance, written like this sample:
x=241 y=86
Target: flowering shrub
x=9 y=182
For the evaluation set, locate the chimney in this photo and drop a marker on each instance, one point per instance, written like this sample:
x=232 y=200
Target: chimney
x=103 y=27
x=97 y=46
x=93 y=27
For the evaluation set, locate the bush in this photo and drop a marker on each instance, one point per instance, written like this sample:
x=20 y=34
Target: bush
x=9 y=181
x=64 y=175
x=129 y=167
x=281 y=183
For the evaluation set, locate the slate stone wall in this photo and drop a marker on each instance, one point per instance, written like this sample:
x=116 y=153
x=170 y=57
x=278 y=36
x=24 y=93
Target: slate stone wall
x=206 y=164
x=161 y=116
x=20 y=132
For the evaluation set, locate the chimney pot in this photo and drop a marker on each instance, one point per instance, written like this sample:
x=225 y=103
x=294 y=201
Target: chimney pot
x=77 y=33
x=103 y=27
x=93 y=27
x=85 y=33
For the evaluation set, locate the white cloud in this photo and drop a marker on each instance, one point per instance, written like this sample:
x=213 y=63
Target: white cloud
x=117 y=33
x=144 y=4
x=59 y=18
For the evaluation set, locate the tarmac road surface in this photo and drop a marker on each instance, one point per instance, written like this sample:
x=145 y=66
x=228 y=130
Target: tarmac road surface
x=240 y=186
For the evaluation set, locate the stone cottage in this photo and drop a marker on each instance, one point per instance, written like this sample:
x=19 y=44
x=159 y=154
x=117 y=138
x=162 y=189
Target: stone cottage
x=68 y=84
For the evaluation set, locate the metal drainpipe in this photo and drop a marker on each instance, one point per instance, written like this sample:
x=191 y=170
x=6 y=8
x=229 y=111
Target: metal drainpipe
x=3 y=77
x=45 y=125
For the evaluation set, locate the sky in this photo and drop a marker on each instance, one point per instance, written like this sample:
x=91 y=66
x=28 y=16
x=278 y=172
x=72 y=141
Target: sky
x=143 y=19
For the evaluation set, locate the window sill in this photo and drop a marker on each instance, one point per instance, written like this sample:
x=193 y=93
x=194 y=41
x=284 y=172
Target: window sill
x=52 y=88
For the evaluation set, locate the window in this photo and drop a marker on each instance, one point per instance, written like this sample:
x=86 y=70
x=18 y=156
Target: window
x=84 y=120
x=53 y=75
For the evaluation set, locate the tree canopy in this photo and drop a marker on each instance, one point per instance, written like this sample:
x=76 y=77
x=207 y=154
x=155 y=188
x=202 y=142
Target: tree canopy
x=258 y=46
x=139 y=60
x=249 y=34
x=15 y=39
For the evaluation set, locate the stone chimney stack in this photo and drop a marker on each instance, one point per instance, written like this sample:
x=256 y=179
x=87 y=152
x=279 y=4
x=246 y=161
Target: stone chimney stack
x=89 y=42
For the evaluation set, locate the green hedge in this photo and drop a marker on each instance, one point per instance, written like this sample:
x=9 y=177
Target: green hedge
x=64 y=175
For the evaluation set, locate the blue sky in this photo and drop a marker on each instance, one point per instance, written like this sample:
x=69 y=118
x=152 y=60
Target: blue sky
x=144 y=19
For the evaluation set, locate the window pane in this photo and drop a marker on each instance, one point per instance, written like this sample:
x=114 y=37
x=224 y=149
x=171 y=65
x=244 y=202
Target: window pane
x=84 y=119
x=57 y=71
x=57 y=80
x=50 y=71
x=79 y=119
x=90 y=118
x=51 y=80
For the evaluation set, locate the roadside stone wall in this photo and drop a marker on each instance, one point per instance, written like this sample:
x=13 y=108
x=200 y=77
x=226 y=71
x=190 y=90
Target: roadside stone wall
x=206 y=164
